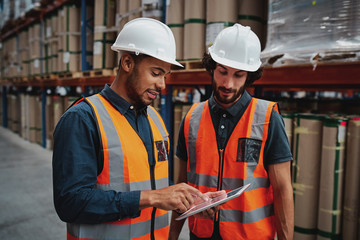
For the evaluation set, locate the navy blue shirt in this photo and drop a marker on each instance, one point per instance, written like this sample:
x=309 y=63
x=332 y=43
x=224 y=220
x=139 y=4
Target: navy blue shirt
x=77 y=162
x=277 y=147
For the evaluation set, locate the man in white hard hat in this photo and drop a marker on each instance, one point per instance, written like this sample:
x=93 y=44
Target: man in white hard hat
x=110 y=156
x=234 y=139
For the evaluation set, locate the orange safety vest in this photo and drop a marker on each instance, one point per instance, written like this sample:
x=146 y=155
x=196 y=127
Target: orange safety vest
x=249 y=216
x=126 y=168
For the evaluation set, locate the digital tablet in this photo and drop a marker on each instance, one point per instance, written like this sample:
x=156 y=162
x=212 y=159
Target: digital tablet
x=213 y=202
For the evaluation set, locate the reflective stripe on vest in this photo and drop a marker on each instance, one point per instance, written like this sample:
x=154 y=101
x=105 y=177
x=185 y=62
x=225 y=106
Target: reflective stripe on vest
x=254 y=209
x=126 y=168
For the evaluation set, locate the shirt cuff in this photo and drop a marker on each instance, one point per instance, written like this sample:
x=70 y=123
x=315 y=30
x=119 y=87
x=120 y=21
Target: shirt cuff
x=129 y=204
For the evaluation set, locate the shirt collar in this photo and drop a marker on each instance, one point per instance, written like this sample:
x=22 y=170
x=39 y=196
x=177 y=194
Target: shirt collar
x=234 y=109
x=117 y=101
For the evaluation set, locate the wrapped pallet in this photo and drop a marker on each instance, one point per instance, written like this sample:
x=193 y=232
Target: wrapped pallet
x=308 y=32
x=252 y=14
x=194 y=29
x=351 y=208
x=306 y=173
x=331 y=178
x=103 y=56
x=219 y=15
x=175 y=21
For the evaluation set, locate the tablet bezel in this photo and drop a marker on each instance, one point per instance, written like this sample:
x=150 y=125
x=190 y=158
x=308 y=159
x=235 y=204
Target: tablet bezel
x=211 y=203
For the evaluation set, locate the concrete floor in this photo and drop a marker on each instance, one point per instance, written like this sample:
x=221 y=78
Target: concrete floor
x=26 y=204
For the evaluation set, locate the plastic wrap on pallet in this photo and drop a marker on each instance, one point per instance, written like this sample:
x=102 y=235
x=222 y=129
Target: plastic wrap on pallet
x=304 y=32
x=7 y=13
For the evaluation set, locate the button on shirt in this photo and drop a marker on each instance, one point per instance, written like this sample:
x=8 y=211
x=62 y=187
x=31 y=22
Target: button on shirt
x=77 y=160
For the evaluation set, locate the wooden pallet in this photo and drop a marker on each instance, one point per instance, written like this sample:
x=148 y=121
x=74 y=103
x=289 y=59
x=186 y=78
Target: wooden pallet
x=69 y=75
x=191 y=65
x=98 y=73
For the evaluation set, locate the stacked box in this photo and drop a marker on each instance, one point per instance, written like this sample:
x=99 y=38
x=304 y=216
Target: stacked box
x=306 y=173
x=10 y=57
x=104 y=57
x=252 y=14
x=331 y=178
x=35 y=44
x=175 y=21
x=51 y=43
x=219 y=15
x=24 y=53
x=69 y=51
x=194 y=29
x=120 y=19
x=121 y=9
x=134 y=5
x=351 y=208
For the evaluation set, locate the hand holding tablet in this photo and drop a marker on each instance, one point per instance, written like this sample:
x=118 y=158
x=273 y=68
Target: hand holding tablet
x=213 y=202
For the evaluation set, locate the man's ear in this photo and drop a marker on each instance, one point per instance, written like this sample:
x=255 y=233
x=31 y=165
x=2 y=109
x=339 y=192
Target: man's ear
x=127 y=62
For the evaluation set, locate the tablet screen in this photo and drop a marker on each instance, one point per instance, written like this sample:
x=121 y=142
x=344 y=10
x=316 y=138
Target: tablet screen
x=213 y=202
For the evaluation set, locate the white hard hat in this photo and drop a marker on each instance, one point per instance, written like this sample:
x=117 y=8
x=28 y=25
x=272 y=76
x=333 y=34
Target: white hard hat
x=237 y=47
x=147 y=36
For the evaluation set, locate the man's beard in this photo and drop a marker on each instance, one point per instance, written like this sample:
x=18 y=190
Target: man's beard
x=223 y=100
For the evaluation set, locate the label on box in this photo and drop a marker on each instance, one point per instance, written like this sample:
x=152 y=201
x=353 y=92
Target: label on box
x=341 y=134
x=36 y=63
x=97 y=48
x=66 y=57
x=212 y=30
x=48 y=32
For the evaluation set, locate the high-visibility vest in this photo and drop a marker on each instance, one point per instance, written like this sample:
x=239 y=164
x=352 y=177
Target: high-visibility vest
x=249 y=216
x=126 y=168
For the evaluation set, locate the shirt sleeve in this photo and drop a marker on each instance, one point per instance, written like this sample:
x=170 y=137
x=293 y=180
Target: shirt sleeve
x=75 y=170
x=181 y=151
x=277 y=148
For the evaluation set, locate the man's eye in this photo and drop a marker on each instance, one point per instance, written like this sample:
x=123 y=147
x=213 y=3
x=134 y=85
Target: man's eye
x=222 y=73
x=155 y=74
x=240 y=75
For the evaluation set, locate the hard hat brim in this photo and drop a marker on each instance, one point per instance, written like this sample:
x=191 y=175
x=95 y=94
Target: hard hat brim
x=234 y=64
x=120 y=49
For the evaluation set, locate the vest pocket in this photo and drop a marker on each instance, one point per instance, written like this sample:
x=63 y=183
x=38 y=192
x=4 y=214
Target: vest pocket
x=248 y=150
